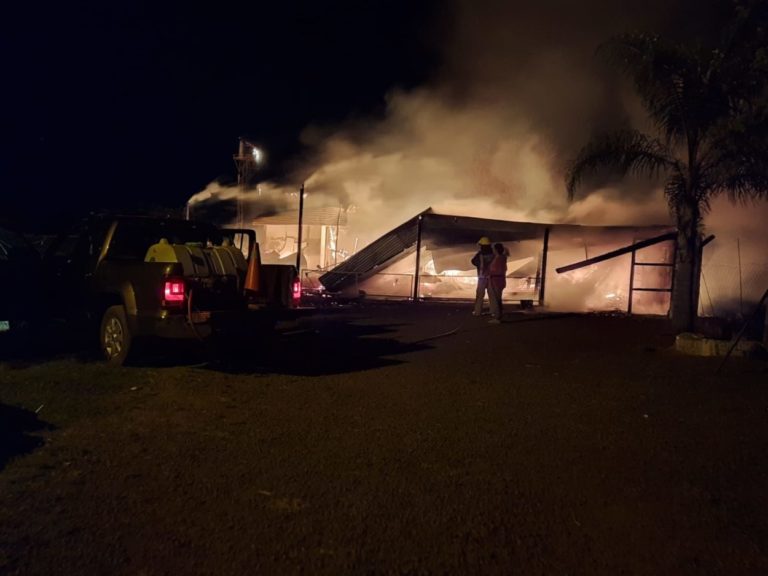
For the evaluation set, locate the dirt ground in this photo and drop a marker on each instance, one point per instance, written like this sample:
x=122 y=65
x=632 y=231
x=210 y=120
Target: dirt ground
x=375 y=440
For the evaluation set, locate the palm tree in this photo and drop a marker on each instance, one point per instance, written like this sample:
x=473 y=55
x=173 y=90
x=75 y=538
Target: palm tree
x=708 y=109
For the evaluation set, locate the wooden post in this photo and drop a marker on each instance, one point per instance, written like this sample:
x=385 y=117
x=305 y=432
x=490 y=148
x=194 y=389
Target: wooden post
x=741 y=286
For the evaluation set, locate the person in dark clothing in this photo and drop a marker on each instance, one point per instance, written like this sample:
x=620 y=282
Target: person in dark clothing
x=497 y=280
x=482 y=261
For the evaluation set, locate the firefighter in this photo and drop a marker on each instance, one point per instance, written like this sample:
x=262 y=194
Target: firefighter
x=482 y=261
x=497 y=281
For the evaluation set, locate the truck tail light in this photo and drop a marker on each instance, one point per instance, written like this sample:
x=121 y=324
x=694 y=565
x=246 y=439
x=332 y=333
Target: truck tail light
x=174 y=293
x=296 y=291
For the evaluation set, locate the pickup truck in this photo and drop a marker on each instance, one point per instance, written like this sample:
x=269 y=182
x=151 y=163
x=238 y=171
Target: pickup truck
x=127 y=277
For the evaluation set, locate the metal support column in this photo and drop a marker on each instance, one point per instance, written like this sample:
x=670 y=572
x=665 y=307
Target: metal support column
x=418 y=260
x=544 y=267
x=301 y=225
x=631 y=281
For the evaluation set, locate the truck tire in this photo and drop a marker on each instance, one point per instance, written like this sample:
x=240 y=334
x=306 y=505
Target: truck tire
x=115 y=336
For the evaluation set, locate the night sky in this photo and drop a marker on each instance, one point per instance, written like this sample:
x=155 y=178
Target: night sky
x=139 y=104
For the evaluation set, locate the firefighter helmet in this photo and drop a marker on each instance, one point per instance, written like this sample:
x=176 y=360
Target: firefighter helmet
x=484 y=241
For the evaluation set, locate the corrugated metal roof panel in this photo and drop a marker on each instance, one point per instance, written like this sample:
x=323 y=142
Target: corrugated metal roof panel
x=442 y=230
x=446 y=230
x=395 y=244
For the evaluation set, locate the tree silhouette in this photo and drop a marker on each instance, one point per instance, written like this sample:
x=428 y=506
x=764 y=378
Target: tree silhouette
x=710 y=118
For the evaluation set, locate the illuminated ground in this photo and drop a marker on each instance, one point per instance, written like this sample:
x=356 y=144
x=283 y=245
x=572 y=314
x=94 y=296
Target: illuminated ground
x=369 y=441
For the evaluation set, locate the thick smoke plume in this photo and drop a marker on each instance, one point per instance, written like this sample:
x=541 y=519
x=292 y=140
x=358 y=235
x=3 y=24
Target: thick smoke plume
x=520 y=91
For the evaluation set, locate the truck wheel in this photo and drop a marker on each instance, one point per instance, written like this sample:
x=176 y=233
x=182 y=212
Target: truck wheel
x=115 y=336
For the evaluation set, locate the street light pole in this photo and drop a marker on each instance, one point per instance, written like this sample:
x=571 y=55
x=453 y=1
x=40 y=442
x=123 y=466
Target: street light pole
x=243 y=166
x=248 y=158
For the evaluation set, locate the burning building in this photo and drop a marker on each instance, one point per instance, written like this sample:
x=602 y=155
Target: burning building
x=428 y=257
x=566 y=267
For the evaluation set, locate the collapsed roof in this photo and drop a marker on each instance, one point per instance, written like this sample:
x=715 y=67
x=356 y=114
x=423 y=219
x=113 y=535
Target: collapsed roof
x=443 y=233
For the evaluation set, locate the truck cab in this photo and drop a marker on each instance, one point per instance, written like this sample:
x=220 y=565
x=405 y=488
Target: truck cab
x=130 y=277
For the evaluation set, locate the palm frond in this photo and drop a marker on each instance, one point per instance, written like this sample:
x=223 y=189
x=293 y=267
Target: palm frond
x=676 y=190
x=626 y=151
x=736 y=162
x=745 y=46
x=678 y=84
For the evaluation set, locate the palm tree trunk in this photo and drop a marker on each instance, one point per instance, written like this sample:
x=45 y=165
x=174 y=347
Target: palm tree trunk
x=685 y=292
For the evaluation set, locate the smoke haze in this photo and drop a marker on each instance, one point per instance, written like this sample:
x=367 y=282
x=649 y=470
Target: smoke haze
x=520 y=91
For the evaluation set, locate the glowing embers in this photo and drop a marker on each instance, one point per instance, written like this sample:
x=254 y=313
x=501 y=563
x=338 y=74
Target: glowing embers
x=597 y=288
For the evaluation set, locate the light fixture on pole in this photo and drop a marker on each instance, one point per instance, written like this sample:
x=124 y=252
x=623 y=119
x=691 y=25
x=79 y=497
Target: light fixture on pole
x=248 y=159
